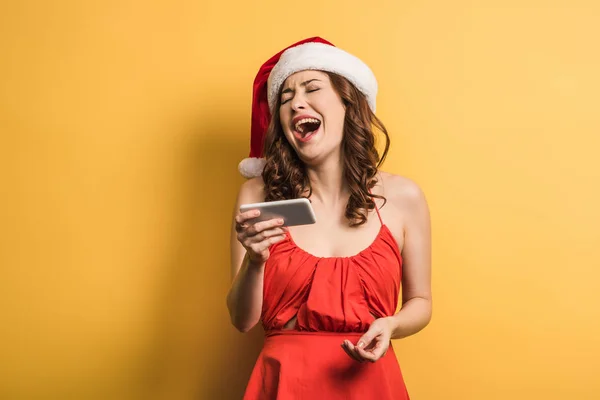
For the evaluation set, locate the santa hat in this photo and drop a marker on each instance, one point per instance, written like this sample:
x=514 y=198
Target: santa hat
x=309 y=54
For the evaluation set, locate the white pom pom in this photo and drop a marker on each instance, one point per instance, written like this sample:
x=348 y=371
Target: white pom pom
x=251 y=167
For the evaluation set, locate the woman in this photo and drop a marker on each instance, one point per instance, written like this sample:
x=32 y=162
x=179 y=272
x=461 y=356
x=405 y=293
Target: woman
x=327 y=293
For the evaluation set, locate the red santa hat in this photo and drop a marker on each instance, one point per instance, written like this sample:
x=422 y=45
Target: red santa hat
x=309 y=54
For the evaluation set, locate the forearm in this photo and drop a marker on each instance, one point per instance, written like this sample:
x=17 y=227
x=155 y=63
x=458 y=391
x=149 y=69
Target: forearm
x=244 y=299
x=414 y=315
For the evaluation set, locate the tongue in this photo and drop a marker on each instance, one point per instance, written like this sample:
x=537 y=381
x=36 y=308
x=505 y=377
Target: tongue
x=309 y=128
x=308 y=133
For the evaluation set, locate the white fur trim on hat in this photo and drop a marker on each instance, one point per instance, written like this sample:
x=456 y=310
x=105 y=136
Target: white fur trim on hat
x=251 y=167
x=323 y=57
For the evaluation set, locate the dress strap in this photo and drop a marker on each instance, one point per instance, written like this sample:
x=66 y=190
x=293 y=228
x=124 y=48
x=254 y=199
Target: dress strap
x=379 y=215
x=377 y=209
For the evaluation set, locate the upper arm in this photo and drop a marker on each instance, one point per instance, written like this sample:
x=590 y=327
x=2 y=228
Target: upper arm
x=416 y=252
x=251 y=191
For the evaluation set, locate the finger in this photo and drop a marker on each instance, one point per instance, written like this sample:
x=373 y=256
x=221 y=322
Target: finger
x=248 y=236
x=241 y=220
x=261 y=246
x=350 y=352
x=264 y=225
x=259 y=237
x=239 y=227
x=367 y=338
x=272 y=240
x=379 y=349
x=367 y=355
x=263 y=240
x=378 y=352
x=245 y=216
x=354 y=351
x=275 y=239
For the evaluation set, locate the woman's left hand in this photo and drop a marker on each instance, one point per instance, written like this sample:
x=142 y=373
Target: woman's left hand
x=373 y=344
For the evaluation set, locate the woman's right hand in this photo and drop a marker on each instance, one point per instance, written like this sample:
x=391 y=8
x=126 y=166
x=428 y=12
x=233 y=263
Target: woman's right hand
x=258 y=237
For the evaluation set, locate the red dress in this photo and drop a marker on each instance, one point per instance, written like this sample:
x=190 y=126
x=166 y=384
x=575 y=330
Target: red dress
x=333 y=299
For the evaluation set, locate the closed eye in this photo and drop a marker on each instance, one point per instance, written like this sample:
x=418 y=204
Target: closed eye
x=283 y=101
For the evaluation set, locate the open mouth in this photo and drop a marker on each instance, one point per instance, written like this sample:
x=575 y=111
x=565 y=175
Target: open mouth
x=306 y=128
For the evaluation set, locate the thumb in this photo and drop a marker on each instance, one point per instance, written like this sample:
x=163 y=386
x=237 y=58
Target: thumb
x=367 y=338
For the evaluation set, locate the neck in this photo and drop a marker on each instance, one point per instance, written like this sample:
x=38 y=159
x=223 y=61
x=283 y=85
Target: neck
x=328 y=183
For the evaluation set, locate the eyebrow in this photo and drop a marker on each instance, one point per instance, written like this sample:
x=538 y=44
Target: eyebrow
x=290 y=90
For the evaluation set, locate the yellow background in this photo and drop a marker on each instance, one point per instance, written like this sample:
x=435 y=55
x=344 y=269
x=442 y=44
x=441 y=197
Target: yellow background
x=122 y=124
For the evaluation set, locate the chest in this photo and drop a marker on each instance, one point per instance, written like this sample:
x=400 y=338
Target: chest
x=333 y=237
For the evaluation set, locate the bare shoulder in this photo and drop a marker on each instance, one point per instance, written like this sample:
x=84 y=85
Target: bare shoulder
x=401 y=191
x=252 y=191
x=405 y=208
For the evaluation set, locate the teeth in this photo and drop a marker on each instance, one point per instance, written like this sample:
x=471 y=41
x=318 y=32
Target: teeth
x=304 y=121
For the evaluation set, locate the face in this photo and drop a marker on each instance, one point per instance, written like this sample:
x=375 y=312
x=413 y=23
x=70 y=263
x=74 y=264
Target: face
x=312 y=116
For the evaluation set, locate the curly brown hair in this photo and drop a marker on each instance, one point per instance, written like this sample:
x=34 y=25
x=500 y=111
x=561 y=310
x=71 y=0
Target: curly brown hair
x=285 y=174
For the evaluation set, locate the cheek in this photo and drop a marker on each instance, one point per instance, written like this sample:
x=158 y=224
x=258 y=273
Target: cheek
x=284 y=111
x=334 y=109
x=335 y=120
x=285 y=120
x=284 y=125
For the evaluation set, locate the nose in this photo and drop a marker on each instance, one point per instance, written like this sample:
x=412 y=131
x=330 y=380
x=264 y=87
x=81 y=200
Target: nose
x=298 y=103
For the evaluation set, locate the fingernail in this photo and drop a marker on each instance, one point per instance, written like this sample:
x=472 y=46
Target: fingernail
x=361 y=344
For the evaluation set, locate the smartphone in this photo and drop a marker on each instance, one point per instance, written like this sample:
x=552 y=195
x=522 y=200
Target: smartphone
x=294 y=212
